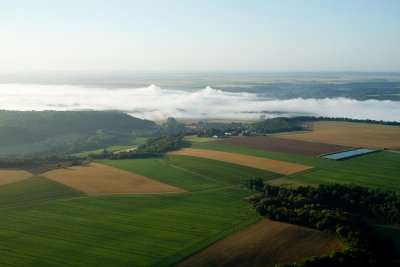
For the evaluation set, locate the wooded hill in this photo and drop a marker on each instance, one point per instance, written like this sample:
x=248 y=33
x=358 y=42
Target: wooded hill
x=47 y=133
x=50 y=123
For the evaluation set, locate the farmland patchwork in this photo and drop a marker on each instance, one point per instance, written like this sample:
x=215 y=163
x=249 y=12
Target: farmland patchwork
x=250 y=161
x=94 y=179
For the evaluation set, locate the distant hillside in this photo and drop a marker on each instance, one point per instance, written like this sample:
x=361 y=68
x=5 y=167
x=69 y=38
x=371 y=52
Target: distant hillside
x=43 y=133
x=11 y=135
x=51 y=123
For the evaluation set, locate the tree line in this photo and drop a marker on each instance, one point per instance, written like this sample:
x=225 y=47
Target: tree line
x=276 y=125
x=311 y=118
x=23 y=162
x=154 y=147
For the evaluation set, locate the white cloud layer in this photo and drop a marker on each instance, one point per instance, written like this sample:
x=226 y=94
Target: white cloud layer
x=155 y=103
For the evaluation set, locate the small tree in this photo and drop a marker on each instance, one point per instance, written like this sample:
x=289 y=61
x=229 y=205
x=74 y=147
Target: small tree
x=256 y=183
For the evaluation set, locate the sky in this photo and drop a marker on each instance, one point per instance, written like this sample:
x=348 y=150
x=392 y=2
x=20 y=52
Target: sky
x=199 y=36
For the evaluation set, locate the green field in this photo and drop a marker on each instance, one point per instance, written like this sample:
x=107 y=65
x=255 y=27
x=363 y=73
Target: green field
x=304 y=160
x=44 y=223
x=158 y=169
x=190 y=173
x=34 y=189
x=222 y=171
x=195 y=138
x=378 y=170
x=155 y=230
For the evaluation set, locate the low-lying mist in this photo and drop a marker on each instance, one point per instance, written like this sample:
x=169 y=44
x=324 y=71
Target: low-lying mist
x=156 y=103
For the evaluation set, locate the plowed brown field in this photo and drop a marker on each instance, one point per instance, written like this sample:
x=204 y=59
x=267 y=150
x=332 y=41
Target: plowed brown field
x=284 y=145
x=266 y=243
x=351 y=134
x=94 y=179
x=245 y=160
x=10 y=176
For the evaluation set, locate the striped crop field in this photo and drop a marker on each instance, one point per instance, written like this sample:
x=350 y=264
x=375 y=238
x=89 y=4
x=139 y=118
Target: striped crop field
x=145 y=230
x=191 y=173
x=96 y=179
x=34 y=189
x=245 y=160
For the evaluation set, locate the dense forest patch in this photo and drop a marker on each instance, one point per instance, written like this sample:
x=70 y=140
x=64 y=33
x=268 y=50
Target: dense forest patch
x=277 y=125
x=338 y=210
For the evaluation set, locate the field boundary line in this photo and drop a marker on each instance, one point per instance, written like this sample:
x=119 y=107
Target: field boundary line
x=190 y=171
x=267 y=164
x=197 y=247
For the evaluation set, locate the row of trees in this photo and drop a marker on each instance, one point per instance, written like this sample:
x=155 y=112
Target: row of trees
x=18 y=162
x=207 y=129
x=276 y=125
x=311 y=118
x=338 y=210
x=154 y=147
x=266 y=126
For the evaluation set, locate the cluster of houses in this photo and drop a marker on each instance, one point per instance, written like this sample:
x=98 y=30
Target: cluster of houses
x=229 y=134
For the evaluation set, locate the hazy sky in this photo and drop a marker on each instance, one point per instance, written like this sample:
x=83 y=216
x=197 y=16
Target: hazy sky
x=185 y=35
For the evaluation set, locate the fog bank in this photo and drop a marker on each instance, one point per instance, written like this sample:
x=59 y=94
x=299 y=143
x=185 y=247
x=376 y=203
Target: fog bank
x=156 y=103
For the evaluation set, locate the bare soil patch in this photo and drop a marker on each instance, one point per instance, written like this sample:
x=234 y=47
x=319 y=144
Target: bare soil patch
x=11 y=176
x=351 y=134
x=95 y=179
x=298 y=147
x=266 y=243
x=245 y=160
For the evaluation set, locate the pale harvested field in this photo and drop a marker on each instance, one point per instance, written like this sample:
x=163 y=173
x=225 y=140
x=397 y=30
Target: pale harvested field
x=10 y=176
x=266 y=243
x=350 y=134
x=245 y=160
x=95 y=179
